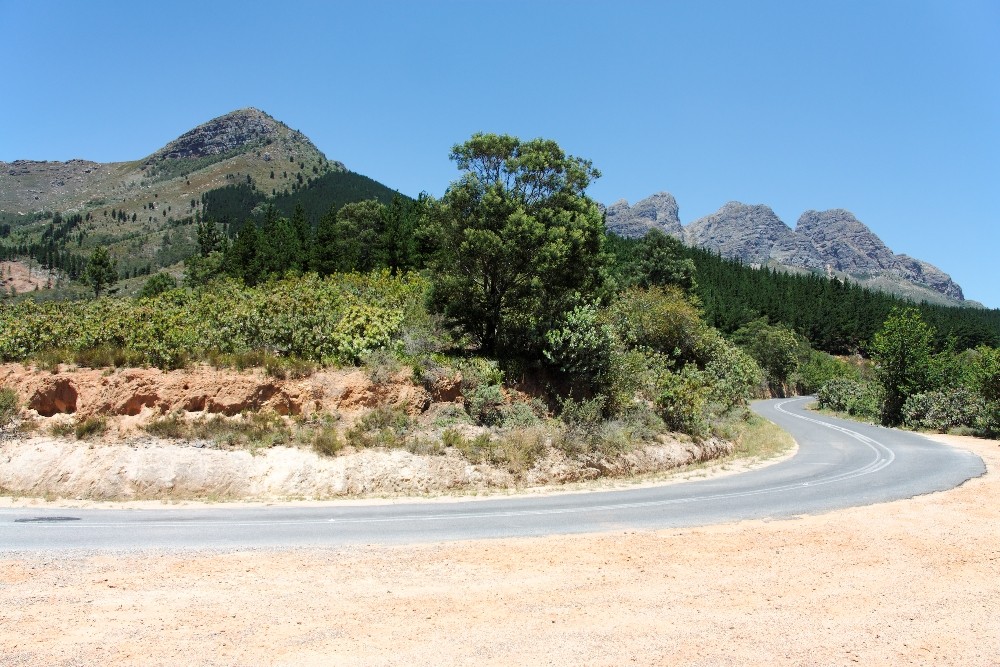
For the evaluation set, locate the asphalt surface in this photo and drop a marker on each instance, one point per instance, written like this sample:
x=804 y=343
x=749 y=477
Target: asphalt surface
x=839 y=464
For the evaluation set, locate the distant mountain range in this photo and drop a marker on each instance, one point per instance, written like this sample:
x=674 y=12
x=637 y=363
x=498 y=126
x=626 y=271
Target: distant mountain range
x=832 y=242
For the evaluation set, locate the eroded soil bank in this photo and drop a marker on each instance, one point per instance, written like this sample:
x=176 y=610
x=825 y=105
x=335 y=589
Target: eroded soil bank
x=126 y=462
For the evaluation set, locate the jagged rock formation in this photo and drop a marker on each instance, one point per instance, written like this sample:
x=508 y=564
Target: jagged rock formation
x=657 y=211
x=752 y=234
x=833 y=241
x=922 y=273
x=844 y=242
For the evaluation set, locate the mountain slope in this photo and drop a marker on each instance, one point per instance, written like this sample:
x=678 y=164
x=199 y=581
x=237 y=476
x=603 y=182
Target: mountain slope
x=834 y=242
x=145 y=209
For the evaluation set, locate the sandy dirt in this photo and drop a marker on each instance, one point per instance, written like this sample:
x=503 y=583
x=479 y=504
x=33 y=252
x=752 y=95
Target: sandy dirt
x=909 y=582
x=24 y=278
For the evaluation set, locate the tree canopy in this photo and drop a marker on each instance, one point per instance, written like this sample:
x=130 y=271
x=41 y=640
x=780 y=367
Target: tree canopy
x=902 y=355
x=517 y=243
x=101 y=270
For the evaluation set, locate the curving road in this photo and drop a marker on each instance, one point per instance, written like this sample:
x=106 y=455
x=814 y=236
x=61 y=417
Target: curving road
x=839 y=464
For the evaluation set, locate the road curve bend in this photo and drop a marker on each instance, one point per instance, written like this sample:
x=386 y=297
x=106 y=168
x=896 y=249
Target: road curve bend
x=839 y=464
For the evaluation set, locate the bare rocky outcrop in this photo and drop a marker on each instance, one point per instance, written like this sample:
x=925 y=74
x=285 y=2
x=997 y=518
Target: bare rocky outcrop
x=922 y=273
x=752 y=234
x=52 y=395
x=129 y=392
x=235 y=131
x=844 y=242
x=658 y=211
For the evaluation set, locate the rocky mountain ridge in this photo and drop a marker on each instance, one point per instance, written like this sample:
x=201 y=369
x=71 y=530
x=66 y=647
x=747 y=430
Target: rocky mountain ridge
x=834 y=242
x=247 y=142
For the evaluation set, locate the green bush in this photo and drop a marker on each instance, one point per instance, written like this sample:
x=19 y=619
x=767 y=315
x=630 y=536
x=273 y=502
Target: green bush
x=580 y=346
x=942 y=410
x=326 y=441
x=156 y=285
x=817 y=368
x=382 y=427
x=733 y=376
x=522 y=415
x=988 y=422
x=9 y=406
x=167 y=426
x=339 y=319
x=89 y=427
x=683 y=401
x=478 y=370
x=661 y=319
x=774 y=347
x=854 y=397
x=485 y=404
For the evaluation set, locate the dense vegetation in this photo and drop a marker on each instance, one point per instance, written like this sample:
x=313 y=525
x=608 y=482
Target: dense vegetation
x=333 y=320
x=232 y=205
x=909 y=383
x=511 y=270
x=834 y=316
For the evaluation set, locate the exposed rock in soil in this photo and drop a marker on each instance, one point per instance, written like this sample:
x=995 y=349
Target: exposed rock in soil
x=128 y=463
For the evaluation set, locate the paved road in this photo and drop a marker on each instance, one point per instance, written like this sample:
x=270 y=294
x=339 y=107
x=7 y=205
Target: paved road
x=839 y=464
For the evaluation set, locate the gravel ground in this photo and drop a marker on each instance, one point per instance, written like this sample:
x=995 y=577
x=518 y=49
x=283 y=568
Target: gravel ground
x=910 y=582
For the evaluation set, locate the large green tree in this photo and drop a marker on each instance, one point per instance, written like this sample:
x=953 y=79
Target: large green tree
x=518 y=243
x=902 y=355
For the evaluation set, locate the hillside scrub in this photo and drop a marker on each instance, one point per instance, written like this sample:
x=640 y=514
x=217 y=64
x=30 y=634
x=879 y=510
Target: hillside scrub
x=334 y=320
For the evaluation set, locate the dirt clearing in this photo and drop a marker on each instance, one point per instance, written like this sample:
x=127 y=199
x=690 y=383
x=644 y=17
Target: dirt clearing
x=910 y=582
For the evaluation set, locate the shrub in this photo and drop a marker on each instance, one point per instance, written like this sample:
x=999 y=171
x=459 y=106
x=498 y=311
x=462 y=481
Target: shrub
x=817 y=368
x=775 y=348
x=855 y=397
x=255 y=431
x=521 y=414
x=61 y=429
x=478 y=370
x=9 y=406
x=518 y=450
x=382 y=427
x=683 y=400
x=942 y=410
x=580 y=345
x=338 y=319
x=90 y=426
x=660 y=319
x=381 y=365
x=485 y=404
x=477 y=450
x=583 y=415
x=326 y=441
x=988 y=421
x=733 y=376
x=452 y=438
x=156 y=285
x=167 y=426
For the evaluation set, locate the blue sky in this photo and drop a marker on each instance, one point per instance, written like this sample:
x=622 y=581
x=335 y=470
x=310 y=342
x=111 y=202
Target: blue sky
x=888 y=109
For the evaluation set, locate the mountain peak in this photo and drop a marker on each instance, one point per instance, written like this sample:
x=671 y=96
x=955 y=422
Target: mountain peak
x=234 y=132
x=656 y=211
x=752 y=233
